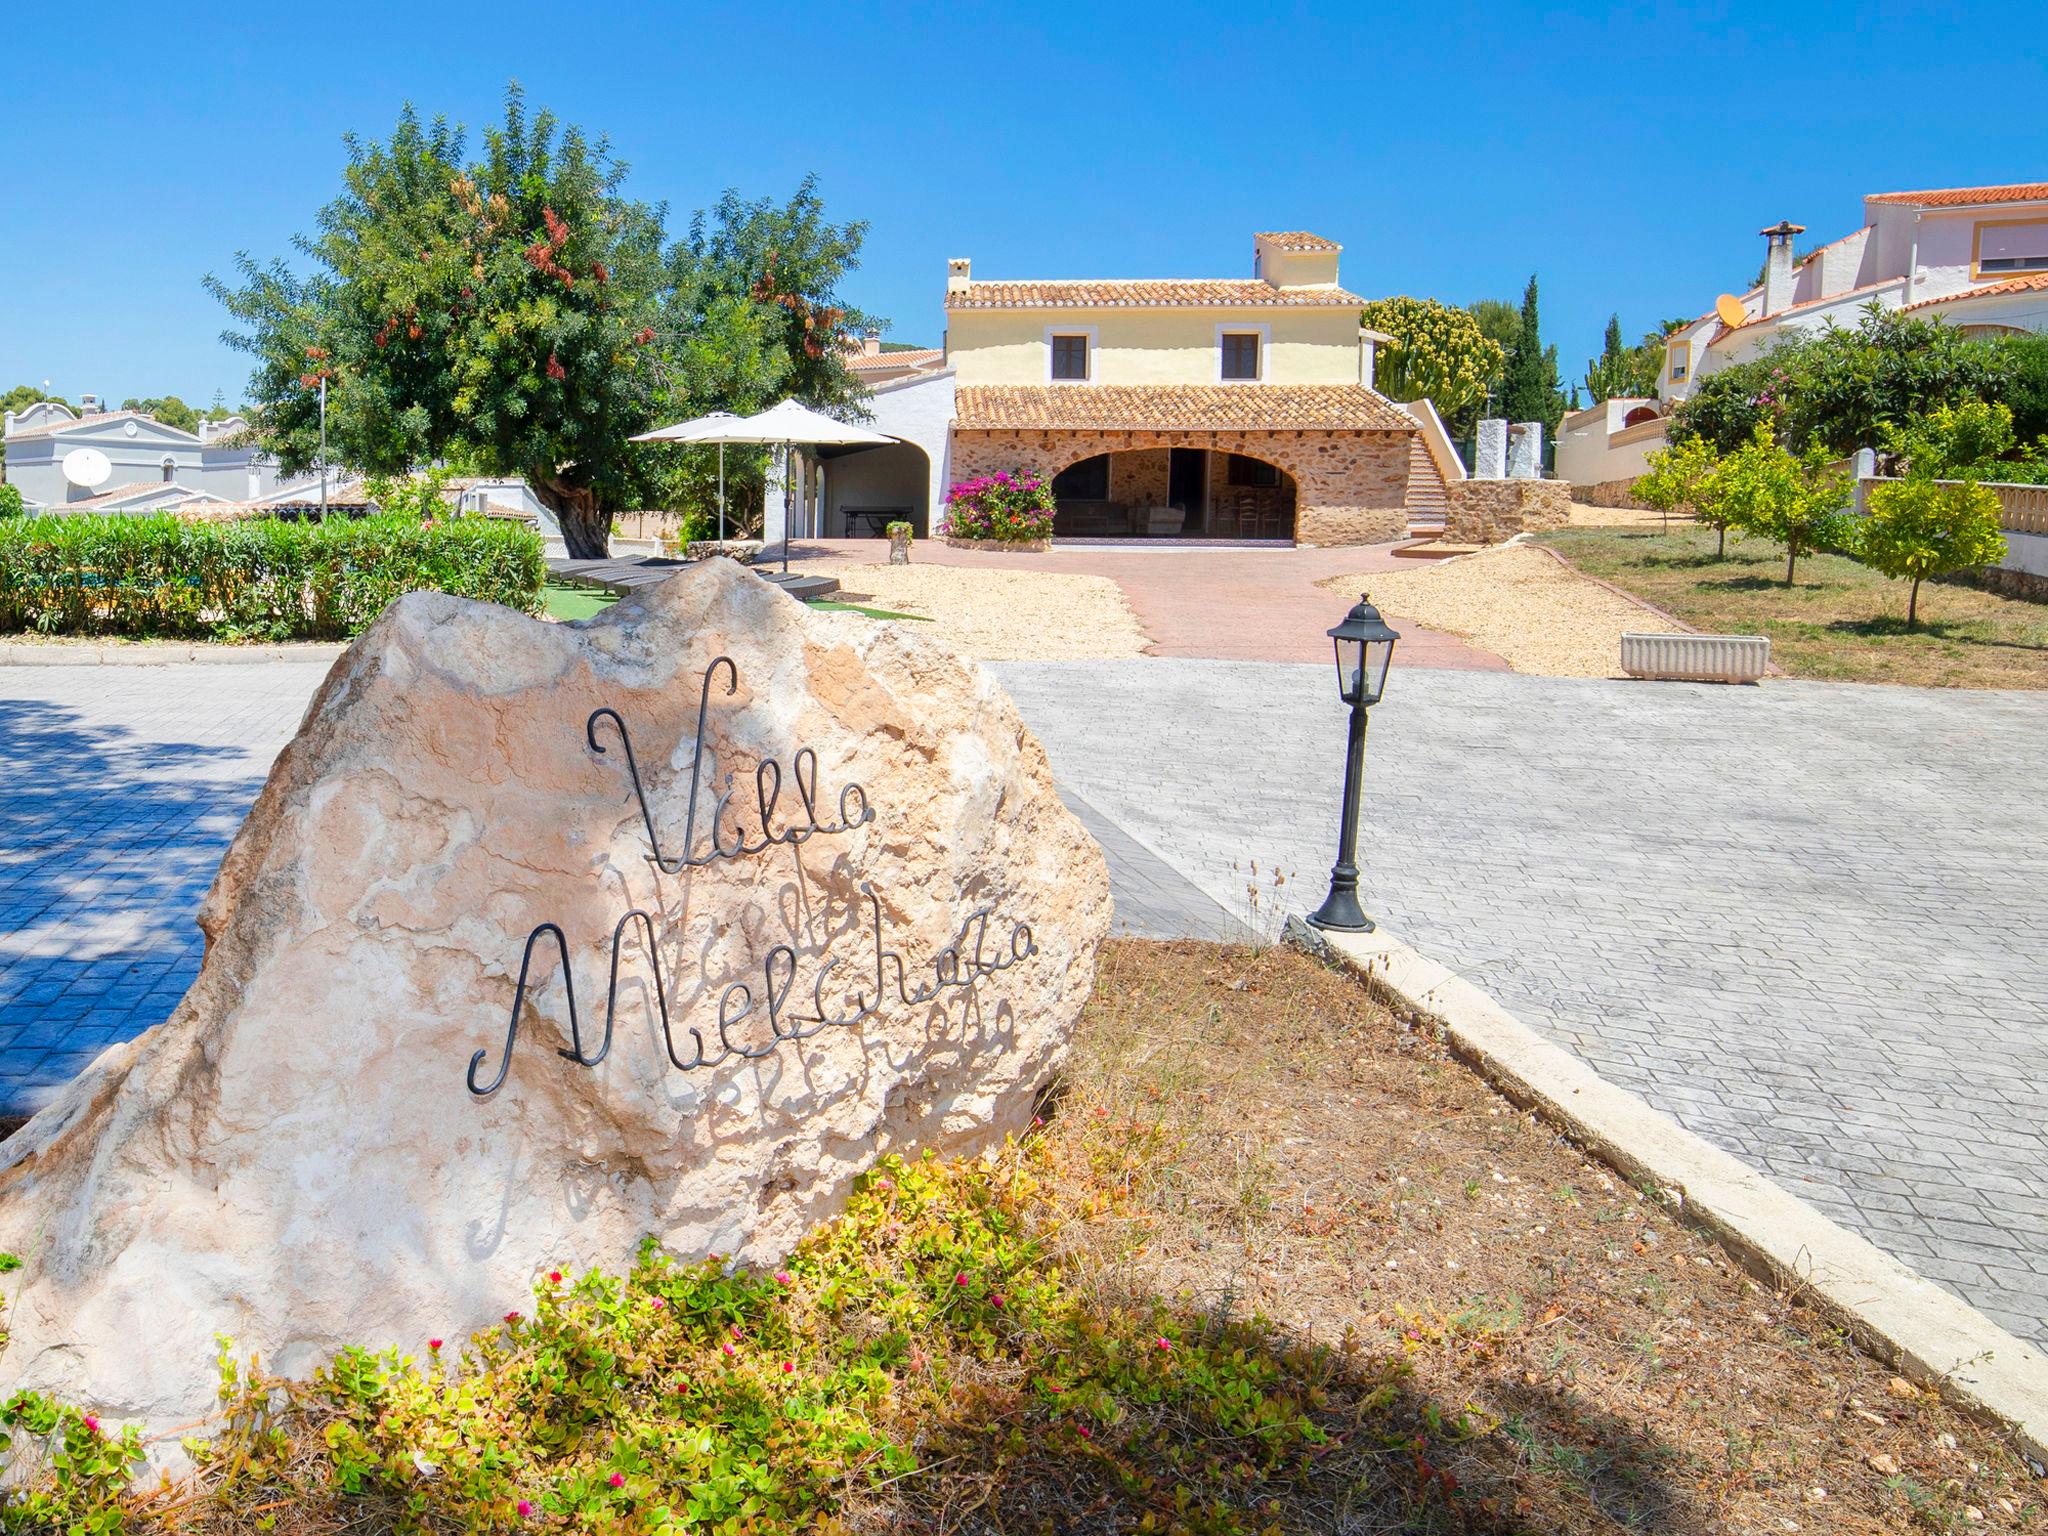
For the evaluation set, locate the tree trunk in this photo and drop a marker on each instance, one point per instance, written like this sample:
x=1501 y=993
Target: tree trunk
x=586 y=529
x=1913 y=605
x=1791 y=559
x=1721 y=547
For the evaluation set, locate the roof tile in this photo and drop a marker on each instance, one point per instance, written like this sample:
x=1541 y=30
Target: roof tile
x=1297 y=240
x=1965 y=197
x=2029 y=283
x=1147 y=293
x=1177 y=408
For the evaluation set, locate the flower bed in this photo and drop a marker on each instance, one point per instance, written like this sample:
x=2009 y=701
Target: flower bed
x=260 y=579
x=1012 y=511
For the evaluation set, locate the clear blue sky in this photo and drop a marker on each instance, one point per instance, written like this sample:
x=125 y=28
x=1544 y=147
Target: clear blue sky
x=1627 y=158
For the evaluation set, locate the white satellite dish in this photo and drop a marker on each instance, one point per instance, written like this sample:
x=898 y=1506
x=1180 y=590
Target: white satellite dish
x=87 y=467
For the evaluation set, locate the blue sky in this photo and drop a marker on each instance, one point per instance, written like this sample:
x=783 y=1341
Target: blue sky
x=1626 y=157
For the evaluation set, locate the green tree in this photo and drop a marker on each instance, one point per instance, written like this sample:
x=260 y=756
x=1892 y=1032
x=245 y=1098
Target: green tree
x=1622 y=371
x=1794 y=500
x=1677 y=480
x=10 y=500
x=1529 y=389
x=1438 y=353
x=1968 y=439
x=1922 y=526
x=2023 y=365
x=168 y=409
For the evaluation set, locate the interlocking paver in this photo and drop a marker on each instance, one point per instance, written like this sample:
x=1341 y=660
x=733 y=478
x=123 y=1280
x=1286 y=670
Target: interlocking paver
x=1805 y=919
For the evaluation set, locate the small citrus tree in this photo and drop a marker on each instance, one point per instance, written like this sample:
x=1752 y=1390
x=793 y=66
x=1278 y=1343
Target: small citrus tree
x=1677 y=479
x=1796 y=501
x=1920 y=527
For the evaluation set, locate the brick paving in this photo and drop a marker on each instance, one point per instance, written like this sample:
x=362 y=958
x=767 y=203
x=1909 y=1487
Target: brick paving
x=1806 y=919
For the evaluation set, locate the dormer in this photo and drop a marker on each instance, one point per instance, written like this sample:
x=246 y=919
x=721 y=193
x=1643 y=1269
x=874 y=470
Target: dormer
x=1294 y=258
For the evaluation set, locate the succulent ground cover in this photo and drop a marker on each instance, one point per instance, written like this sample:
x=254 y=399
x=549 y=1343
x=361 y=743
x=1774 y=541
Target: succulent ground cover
x=1271 y=1261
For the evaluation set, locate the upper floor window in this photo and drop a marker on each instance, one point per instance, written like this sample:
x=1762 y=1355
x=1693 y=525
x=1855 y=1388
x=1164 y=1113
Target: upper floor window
x=1680 y=354
x=2012 y=245
x=1070 y=357
x=1240 y=354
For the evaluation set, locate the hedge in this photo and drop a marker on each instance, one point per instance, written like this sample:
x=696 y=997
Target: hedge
x=265 y=579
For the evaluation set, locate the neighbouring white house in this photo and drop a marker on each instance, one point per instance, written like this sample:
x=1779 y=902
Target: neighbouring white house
x=1976 y=257
x=100 y=460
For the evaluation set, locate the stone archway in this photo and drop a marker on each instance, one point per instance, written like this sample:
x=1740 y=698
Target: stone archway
x=1351 y=487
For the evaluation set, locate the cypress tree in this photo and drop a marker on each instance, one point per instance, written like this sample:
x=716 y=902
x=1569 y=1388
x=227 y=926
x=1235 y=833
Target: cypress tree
x=1531 y=392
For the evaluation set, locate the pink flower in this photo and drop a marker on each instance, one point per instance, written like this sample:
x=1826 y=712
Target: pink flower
x=435 y=1345
x=788 y=1366
x=525 y=1508
x=617 y=1479
x=729 y=1350
x=1086 y=1432
x=659 y=1303
x=961 y=1278
x=736 y=1331
x=996 y=1300
x=511 y=1317
x=782 y=1277
x=1164 y=1344
x=91 y=1423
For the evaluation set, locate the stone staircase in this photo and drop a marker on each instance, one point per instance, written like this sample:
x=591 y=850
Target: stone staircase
x=1427 y=504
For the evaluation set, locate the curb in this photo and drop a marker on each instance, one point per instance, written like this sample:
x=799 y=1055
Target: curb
x=1927 y=1334
x=70 y=654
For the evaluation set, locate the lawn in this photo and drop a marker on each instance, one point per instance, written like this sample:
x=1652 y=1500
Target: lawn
x=1271 y=1261
x=1840 y=620
x=572 y=600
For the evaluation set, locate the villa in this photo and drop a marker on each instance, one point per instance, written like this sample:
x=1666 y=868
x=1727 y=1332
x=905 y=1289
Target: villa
x=1220 y=408
x=1976 y=257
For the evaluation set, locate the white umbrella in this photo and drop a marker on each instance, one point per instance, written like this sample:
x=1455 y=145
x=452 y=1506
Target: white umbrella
x=789 y=424
x=720 y=427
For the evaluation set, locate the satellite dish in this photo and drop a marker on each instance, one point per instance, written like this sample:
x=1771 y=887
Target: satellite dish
x=87 y=467
x=1729 y=308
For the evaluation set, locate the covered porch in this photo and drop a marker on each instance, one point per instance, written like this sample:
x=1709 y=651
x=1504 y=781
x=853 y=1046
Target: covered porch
x=1174 y=493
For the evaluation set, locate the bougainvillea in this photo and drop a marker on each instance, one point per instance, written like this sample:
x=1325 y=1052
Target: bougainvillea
x=1010 y=509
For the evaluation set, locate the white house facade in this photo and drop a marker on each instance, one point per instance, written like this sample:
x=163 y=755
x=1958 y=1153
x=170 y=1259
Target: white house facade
x=134 y=459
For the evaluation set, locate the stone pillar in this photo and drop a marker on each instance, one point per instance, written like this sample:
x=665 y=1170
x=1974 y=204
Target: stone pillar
x=771 y=503
x=1490 y=451
x=1525 y=451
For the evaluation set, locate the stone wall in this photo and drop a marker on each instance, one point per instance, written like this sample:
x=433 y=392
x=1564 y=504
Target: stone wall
x=1351 y=487
x=1494 y=511
x=1140 y=479
x=1612 y=493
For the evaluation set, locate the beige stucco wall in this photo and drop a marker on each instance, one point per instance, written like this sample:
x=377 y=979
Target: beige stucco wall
x=1350 y=487
x=1154 y=346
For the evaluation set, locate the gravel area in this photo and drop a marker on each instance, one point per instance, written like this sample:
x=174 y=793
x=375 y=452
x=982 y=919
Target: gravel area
x=1583 y=516
x=1001 y=615
x=1539 y=616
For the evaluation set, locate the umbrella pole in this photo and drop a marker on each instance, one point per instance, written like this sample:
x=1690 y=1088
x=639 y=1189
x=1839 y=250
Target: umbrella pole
x=788 y=499
x=721 y=498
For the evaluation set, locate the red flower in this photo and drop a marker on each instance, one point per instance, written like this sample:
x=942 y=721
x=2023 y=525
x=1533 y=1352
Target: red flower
x=525 y=1508
x=91 y=1423
x=435 y=1345
x=511 y=1317
x=788 y=1366
x=961 y=1278
x=555 y=369
x=554 y=1275
x=617 y=1479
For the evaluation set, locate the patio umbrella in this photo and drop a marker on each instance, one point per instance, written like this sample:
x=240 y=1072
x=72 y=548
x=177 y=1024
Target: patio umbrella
x=790 y=424
x=720 y=427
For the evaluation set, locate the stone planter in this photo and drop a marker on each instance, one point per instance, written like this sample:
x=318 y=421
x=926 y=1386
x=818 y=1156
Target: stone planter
x=1002 y=546
x=1696 y=658
x=899 y=544
x=745 y=551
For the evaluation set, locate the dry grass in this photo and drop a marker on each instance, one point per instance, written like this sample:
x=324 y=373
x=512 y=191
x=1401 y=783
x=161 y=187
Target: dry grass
x=1839 y=620
x=996 y=615
x=1247 y=1132
x=1532 y=612
x=1583 y=516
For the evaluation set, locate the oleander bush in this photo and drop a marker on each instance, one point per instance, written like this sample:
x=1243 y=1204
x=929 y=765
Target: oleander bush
x=1009 y=509
x=262 y=579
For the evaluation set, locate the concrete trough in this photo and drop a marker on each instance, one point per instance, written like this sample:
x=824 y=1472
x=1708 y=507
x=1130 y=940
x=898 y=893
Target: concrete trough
x=1696 y=658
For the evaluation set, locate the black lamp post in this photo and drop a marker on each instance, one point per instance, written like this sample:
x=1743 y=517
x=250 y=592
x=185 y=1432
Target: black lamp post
x=1365 y=647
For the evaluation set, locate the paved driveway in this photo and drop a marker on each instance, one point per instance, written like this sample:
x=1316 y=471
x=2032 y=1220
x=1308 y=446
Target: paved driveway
x=1807 y=919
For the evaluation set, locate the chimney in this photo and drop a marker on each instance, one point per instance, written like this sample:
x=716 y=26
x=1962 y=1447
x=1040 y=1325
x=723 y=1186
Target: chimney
x=88 y=404
x=871 y=343
x=1780 y=275
x=957 y=274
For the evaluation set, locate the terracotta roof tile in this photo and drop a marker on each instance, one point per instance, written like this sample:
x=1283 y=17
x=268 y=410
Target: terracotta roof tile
x=2029 y=283
x=1177 y=408
x=1147 y=293
x=927 y=357
x=1297 y=240
x=1965 y=197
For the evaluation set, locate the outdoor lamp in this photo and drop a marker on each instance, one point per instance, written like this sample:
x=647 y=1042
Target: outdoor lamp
x=1365 y=648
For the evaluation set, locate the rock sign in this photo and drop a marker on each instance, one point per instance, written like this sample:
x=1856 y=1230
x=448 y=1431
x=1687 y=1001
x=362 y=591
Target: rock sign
x=296 y=1158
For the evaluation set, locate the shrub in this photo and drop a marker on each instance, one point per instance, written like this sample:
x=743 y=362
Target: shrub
x=1920 y=527
x=1677 y=480
x=265 y=579
x=1010 y=509
x=10 y=500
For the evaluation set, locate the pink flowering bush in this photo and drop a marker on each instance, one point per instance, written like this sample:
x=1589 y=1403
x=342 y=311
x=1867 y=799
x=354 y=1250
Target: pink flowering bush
x=1010 y=509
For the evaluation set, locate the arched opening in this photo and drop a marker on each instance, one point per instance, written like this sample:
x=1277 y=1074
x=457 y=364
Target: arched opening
x=1988 y=331
x=1173 y=493
x=1639 y=415
x=868 y=487
x=170 y=467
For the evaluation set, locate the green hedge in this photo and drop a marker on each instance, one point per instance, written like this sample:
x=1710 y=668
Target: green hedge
x=267 y=579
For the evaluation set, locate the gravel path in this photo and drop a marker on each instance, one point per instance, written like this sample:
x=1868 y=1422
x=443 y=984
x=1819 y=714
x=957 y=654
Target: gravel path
x=996 y=615
x=1540 y=616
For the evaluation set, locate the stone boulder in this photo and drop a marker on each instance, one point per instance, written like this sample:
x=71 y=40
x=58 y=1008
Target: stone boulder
x=296 y=1158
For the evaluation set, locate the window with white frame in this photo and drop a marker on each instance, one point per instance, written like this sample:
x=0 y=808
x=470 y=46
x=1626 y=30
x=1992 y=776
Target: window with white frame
x=1680 y=360
x=1070 y=356
x=2012 y=245
x=1240 y=355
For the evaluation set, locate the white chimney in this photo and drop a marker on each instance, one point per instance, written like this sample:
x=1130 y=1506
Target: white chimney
x=1780 y=276
x=871 y=344
x=957 y=274
x=88 y=404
